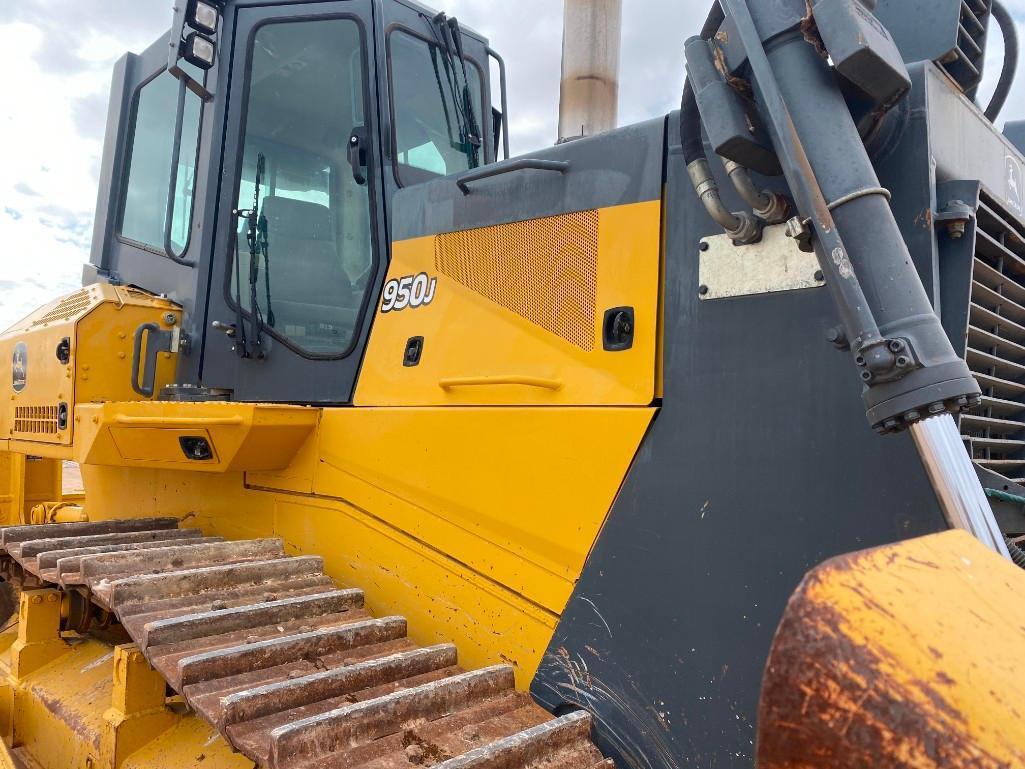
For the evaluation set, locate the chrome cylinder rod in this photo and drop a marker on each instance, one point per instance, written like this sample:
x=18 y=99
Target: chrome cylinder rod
x=953 y=477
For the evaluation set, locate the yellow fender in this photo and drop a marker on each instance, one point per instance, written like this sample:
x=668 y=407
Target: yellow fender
x=910 y=655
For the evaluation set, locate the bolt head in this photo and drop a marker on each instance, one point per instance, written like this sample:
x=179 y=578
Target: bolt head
x=702 y=290
x=795 y=227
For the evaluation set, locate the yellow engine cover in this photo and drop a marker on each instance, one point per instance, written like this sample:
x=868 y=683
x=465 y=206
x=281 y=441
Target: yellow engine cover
x=77 y=349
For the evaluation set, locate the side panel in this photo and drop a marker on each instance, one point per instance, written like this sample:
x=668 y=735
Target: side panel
x=524 y=269
x=759 y=465
x=502 y=309
x=517 y=495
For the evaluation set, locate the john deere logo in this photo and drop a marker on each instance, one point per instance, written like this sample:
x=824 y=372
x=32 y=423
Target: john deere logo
x=1015 y=186
x=19 y=367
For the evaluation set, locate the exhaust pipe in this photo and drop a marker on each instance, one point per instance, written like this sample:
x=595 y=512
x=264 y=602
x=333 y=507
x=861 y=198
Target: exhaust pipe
x=589 y=94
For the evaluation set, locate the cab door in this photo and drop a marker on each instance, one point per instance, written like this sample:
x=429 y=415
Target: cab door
x=299 y=248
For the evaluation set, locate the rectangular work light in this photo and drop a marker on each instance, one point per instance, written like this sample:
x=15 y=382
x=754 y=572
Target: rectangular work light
x=202 y=16
x=199 y=50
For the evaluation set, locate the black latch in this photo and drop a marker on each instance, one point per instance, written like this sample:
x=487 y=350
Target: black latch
x=414 y=349
x=63 y=351
x=618 y=329
x=196 y=447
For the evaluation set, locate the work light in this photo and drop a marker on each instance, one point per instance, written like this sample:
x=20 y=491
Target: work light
x=202 y=16
x=199 y=50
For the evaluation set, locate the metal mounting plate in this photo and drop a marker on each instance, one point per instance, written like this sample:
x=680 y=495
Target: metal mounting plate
x=774 y=264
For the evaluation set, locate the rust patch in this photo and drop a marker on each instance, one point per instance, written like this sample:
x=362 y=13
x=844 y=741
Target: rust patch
x=828 y=702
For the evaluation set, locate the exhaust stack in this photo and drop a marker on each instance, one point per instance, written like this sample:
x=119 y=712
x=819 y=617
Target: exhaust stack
x=589 y=98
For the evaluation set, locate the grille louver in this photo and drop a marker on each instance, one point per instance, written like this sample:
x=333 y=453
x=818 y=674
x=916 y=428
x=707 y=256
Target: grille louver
x=36 y=420
x=965 y=62
x=995 y=432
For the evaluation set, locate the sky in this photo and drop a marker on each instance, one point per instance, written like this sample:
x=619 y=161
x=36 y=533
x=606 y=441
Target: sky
x=57 y=57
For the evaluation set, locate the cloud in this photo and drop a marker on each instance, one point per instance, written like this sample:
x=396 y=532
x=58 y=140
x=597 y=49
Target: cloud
x=59 y=53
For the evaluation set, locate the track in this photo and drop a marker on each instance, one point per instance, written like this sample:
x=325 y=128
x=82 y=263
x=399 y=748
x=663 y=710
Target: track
x=292 y=670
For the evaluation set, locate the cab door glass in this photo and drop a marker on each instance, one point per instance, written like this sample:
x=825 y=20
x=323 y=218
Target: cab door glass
x=312 y=253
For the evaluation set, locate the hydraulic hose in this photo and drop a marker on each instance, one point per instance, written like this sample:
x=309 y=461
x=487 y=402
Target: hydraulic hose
x=771 y=207
x=1007 y=73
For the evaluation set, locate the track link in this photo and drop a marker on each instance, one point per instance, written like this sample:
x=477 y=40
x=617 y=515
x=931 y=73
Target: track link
x=292 y=670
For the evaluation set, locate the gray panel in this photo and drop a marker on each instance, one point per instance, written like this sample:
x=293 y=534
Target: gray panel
x=966 y=146
x=618 y=167
x=759 y=466
x=918 y=39
x=1015 y=133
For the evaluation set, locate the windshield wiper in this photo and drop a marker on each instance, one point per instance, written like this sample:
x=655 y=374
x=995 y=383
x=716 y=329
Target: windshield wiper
x=256 y=237
x=473 y=129
x=446 y=33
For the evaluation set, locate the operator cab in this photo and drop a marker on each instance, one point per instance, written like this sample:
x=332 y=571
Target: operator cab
x=291 y=126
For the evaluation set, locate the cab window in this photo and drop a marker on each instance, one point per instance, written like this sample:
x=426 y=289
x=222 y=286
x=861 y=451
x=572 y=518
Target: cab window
x=433 y=135
x=307 y=233
x=144 y=200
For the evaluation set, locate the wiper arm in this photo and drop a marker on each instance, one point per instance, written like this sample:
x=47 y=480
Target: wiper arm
x=256 y=242
x=469 y=135
x=474 y=131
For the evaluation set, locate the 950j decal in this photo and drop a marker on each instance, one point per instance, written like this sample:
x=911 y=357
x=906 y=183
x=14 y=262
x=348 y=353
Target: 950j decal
x=410 y=291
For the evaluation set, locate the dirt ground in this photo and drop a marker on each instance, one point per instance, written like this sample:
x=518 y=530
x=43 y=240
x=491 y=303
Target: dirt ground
x=72 y=478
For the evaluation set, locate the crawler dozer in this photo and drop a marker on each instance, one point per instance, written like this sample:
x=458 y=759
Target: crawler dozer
x=401 y=452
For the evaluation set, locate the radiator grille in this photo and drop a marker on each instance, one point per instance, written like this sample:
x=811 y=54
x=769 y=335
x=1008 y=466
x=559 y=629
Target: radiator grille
x=965 y=62
x=36 y=420
x=67 y=308
x=995 y=432
x=544 y=270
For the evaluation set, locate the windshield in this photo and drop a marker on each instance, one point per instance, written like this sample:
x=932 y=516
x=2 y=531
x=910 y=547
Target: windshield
x=431 y=130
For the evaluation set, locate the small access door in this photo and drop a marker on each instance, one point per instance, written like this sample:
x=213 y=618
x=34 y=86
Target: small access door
x=299 y=250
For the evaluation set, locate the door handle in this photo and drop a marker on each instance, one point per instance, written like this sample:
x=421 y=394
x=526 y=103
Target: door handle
x=358 y=153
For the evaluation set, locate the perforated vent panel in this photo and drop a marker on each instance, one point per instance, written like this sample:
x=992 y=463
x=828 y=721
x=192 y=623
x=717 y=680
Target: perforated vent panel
x=35 y=420
x=67 y=308
x=544 y=270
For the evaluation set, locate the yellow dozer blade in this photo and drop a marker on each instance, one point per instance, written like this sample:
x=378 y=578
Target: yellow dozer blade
x=911 y=655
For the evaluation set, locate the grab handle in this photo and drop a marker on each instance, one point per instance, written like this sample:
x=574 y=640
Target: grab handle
x=508 y=167
x=157 y=341
x=510 y=379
